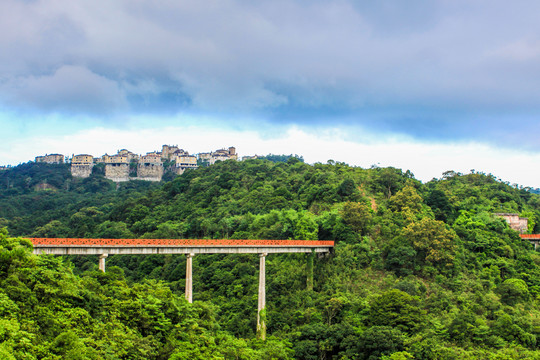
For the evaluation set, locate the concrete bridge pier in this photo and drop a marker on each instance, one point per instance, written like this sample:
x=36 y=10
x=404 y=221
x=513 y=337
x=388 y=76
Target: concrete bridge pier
x=104 y=247
x=189 y=278
x=261 y=312
x=102 y=261
x=309 y=271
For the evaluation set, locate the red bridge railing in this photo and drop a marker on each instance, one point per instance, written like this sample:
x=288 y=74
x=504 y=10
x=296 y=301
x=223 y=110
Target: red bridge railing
x=175 y=242
x=530 y=236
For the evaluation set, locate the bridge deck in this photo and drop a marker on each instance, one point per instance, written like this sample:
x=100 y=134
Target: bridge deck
x=71 y=246
x=530 y=236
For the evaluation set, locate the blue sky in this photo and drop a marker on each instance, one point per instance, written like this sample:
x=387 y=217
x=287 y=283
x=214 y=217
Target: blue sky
x=422 y=85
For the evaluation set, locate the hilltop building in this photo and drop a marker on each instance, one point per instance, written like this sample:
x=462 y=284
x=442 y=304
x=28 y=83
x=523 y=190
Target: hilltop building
x=168 y=151
x=117 y=168
x=50 y=159
x=247 y=157
x=182 y=162
x=130 y=156
x=118 y=159
x=103 y=159
x=517 y=223
x=121 y=157
x=150 y=167
x=81 y=165
x=223 y=155
x=205 y=157
x=219 y=155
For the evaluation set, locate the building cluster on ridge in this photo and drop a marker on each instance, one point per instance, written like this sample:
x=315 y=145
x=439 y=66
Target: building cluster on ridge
x=126 y=165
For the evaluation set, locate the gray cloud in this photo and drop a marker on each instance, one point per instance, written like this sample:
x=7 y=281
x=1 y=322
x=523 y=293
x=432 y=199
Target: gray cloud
x=71 y=89
x=430 y=69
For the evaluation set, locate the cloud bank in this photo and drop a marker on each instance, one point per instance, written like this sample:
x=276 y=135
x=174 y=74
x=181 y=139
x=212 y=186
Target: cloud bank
x=435 y=70
x=425 y=160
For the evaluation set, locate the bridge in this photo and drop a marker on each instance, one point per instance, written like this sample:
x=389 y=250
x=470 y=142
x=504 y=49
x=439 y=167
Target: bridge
x=533 y=239
x=106 y=247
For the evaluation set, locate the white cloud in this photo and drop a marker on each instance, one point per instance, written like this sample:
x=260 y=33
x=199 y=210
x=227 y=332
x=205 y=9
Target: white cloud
x=425 y=160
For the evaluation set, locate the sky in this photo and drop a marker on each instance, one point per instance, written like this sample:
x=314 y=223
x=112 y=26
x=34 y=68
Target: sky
x=426 y=86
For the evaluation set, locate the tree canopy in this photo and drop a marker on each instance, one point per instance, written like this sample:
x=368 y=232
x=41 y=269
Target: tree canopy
x=423 y=271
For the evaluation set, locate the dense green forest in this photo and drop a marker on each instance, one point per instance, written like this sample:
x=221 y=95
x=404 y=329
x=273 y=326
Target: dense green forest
x=419 y=271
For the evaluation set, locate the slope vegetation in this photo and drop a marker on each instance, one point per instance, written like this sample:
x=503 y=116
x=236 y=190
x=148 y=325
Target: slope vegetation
x=422 y=271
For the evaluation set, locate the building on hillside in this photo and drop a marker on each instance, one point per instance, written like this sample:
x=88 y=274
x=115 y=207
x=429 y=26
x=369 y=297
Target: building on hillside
x=117 y=159
x=121 y=157
x=130 y=155
x=204 y=156
x=82 y=159
x=150 y=167
x=151 y=157
x=248 y=157
x=515 y=221
x=3 y=167
x=102 y=159
x=179 y=152
x=219 y=155
x=81 y=165
x=231 y=152
x=168 y=150
x=117 y=168
x=184 y=162
x=50 y=159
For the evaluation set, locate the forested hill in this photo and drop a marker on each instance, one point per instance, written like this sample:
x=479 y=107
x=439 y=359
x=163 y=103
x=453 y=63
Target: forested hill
x=244 y=199
x=422 y=271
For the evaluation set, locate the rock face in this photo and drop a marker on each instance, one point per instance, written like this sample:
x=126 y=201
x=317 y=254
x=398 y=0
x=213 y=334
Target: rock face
x=117 y=172
x=178 y=170
x=149 y=171
x=81 y=171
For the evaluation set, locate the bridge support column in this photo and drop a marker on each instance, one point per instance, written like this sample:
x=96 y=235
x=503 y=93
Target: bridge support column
x=102 y=261
x=189 y=278
x=261 y=312
x=309 y=271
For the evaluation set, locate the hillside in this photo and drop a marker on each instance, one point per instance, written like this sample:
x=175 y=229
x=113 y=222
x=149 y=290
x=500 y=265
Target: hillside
x=420 y=271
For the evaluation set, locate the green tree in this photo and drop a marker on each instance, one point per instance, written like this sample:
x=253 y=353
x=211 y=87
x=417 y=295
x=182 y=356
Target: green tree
x=513 y=291
x=347 y=188
x=53 y=229
x=378 y=341
x=439 y=203
x=433 y=242
x=397 y=309
x=406 y=200
x=358 y=215
x=113 y=230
